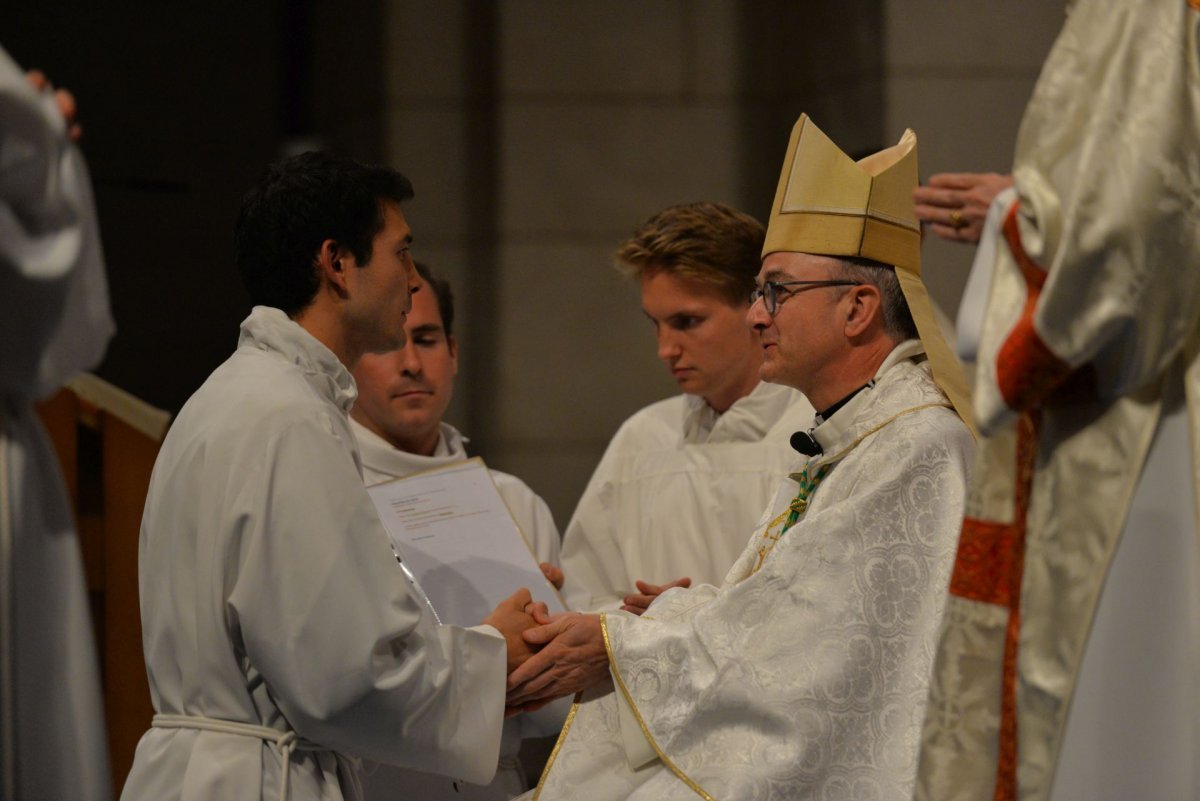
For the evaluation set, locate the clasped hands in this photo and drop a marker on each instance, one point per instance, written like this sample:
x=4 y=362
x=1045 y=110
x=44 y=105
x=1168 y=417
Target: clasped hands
x=550 y=656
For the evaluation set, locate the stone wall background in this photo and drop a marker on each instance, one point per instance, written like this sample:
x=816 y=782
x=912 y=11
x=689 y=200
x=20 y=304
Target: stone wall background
x=538 y=133
x=541 y=133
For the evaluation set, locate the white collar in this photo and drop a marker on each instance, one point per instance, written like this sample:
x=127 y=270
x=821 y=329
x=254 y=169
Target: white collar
x=750 y=418
x=382 y=457
x=269 y=329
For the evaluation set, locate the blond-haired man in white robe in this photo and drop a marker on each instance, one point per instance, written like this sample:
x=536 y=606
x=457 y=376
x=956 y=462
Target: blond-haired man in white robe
x=805 y=674
x=684 y=479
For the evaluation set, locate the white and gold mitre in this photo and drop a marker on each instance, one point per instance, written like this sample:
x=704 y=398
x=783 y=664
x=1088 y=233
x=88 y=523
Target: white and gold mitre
x=828 y=204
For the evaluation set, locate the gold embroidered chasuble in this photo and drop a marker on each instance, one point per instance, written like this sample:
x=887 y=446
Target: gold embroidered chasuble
x=805 y=678
x=1093 y=309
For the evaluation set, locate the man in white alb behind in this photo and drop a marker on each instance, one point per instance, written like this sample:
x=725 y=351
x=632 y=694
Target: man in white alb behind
x=399 y=422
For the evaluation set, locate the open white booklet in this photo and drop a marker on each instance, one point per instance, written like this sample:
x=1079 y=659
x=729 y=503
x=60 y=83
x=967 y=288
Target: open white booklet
x=459 y=543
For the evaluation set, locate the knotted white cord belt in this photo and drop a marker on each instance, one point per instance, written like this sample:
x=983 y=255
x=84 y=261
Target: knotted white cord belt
x=283 y=743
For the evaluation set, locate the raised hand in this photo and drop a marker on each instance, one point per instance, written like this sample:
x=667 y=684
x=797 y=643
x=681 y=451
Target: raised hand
x=954 y=204
x=62 y=98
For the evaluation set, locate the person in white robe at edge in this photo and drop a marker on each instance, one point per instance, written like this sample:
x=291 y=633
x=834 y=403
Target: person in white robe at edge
x=398 y=420
x=805 y=674
x=1116 y=743
x=54 y=323
x=281 y=638
x=1102 y=205
x=683 y=481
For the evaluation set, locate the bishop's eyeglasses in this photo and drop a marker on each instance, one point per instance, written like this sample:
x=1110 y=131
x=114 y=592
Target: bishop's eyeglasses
x=772 y=295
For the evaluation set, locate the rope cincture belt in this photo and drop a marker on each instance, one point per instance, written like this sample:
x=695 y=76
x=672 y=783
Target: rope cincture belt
x=284 y=743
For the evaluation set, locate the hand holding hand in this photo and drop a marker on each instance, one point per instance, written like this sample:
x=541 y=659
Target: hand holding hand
x=511 y=618
x=553 y=574
x=637 y=602
x=573 y=658
x=954 y=205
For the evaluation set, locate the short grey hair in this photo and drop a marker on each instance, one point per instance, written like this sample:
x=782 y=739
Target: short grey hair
x=897 y=319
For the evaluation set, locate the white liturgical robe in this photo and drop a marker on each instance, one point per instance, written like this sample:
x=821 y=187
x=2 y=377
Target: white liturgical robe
x=271 y=597
x=804 y=676
x=54 y=323
x=1072 y=633
x=677 y=492
x=383 y=462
